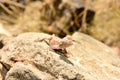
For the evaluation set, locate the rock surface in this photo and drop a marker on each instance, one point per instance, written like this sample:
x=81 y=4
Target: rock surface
x=28 y=57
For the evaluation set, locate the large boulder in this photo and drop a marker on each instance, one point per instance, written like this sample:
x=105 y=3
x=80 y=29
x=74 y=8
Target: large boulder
x=29 y=57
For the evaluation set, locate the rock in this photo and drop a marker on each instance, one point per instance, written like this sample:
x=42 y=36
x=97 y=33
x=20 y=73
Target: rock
x=28 y=57
x=96 y=61
x=27 y=72
x=4 y=39
x=4 y=36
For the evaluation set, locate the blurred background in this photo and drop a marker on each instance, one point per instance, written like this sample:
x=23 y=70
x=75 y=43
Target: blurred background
x=97 y=18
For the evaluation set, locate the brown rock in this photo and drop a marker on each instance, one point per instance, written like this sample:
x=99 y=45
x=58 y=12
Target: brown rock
x=95 y=60
x=27 y=57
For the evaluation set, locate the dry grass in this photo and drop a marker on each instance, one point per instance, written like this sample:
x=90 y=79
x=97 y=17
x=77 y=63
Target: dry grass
x=106 y=24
